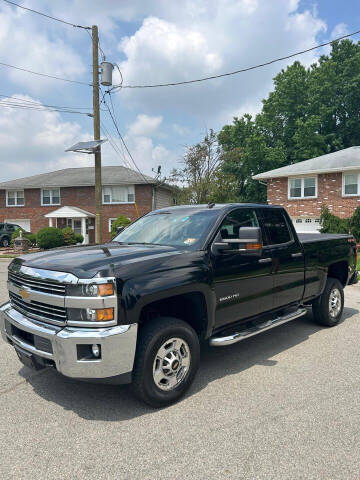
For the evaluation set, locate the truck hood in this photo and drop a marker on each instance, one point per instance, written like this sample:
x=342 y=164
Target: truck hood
x=102 y=260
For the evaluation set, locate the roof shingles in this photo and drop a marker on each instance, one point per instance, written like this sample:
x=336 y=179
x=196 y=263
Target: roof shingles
x=342 y=160
x=80 y=177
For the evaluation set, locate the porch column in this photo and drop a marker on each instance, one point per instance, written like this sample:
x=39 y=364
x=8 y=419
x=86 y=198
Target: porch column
x=50 y=222
x=83 y=228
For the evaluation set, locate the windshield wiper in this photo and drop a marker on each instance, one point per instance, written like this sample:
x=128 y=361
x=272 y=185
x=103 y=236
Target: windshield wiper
x=142 y=243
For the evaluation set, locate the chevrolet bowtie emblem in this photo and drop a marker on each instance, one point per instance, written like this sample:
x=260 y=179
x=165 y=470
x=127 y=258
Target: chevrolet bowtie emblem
x=24 y=294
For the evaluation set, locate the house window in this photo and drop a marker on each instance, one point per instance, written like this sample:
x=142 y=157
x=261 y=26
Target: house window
x=305 y=187
x=111 y=221
x=15 y=198
x=50 y=197
x=119 y=194
x=351 y=184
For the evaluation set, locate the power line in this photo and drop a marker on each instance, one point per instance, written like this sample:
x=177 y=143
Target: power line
x=171 y=84
x=45 y=15
x=99 y=47
x=5 y=104
x=120 y=136
x=35 y=102
x=44 y=74
x=114 y=146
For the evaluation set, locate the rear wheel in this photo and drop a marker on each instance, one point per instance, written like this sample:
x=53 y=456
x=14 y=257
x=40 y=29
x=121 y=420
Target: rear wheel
x=166 y=362
x=328 y=308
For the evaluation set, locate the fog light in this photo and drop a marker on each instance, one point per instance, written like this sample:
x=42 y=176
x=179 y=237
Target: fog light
x=95 y=349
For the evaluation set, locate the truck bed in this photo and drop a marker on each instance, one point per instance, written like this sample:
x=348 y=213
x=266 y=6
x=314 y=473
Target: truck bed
x=320 y=237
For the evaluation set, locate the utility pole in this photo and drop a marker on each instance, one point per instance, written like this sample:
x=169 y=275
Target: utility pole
x=96 y=112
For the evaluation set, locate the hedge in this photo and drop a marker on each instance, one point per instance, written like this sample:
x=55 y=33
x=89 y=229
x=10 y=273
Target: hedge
x=50 y=237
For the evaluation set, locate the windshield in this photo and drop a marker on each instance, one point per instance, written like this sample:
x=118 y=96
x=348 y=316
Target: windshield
x=175 y=228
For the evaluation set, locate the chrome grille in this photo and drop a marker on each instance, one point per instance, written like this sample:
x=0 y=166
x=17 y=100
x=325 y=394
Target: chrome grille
x=39 y=311
x=43 y=286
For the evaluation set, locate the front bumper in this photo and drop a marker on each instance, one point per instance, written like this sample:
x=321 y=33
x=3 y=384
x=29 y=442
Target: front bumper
x=62 y=347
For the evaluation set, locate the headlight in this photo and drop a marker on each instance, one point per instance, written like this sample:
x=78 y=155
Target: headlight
x=90 y=314
x=91 y=290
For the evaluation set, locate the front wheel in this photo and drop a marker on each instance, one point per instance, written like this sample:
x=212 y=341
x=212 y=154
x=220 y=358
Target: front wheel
x=328 y=308
x=166 y=362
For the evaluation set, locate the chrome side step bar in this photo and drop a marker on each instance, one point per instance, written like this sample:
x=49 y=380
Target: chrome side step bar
x=235 y=337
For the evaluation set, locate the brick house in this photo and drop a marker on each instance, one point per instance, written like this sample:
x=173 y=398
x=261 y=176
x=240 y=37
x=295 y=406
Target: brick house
x=67 y=198
x=302 y=188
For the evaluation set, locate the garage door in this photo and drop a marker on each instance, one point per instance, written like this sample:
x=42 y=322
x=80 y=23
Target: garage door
x=307 y=225
x=25 y=224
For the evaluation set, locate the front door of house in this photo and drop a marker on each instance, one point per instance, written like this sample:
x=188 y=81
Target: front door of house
x=75 y=225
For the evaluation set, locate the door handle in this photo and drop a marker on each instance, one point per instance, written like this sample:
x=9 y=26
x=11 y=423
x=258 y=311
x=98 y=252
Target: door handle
x=265 y=260
x=297 y=255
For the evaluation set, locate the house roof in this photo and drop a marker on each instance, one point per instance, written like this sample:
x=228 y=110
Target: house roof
x=342 y=160
x=80 y=177
x=69 y=212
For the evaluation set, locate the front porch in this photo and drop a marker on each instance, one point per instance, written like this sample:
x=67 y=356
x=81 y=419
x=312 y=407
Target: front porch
x=80 y=221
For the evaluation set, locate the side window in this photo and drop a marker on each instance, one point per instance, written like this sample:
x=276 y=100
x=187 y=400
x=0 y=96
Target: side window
x=243 y=217
x=10 y=228
x=276 y=227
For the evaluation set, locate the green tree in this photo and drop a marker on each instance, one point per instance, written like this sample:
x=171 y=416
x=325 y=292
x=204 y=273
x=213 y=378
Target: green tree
x=121 y=221
x=199 y=172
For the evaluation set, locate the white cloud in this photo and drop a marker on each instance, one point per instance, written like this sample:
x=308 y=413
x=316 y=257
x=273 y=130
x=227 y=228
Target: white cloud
x=145 y=125
x=339 y=30
x=212 y=37
x=34 y=141
x=24 y=44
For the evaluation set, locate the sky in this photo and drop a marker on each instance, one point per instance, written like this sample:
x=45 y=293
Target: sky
x=150 y=42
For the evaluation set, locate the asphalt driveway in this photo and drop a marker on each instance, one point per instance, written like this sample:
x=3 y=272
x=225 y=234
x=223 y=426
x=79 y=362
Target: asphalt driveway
x=282 y=405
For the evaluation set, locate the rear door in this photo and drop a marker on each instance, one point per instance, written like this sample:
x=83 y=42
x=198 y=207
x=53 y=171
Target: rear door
x=243 y=284
x=284 y=247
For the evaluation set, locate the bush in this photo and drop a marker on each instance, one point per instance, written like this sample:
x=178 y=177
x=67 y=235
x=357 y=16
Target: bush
x=69 y=236
x=121 y=221
x=355 y=224
x=50 y=237
x=79 y=238
x=332 y=224
x=30 y=236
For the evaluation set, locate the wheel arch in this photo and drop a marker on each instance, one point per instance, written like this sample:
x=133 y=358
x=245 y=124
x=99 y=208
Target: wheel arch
x=191 y=307
x=340 y=271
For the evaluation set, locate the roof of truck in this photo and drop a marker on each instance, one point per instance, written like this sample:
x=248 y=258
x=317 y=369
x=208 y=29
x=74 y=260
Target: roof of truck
x=216 y=206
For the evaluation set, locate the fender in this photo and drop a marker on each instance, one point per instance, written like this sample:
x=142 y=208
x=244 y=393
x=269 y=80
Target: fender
x=140 y=291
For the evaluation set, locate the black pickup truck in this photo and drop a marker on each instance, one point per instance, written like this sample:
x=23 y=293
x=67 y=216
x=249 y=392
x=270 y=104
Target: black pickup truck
x=136 y=309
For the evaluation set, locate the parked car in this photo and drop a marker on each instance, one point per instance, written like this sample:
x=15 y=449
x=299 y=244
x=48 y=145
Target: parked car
x=135 y=310
x=6 y=231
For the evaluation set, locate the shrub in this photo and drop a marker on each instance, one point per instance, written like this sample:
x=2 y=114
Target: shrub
x=79 y=238
x=121 y=221
x=50 y=237
x=69 y=236
x=331 y=223
x=30 y=236
x=355 y=224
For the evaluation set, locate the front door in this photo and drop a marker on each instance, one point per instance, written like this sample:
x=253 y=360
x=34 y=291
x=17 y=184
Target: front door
x=243 y=283
x=75 y=225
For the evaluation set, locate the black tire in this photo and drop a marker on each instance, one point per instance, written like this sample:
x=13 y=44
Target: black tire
x=322 y=311
x=151 y=338
x=5 y=242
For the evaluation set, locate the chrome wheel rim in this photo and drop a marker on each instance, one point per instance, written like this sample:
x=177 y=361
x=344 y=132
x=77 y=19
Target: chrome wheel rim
x=334 y=302
x=171 y=364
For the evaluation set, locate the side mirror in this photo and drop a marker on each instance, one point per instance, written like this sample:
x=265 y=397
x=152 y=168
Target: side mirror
x=249 y=241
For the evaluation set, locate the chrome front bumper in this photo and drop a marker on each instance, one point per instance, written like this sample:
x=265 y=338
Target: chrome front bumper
x=118 y=345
